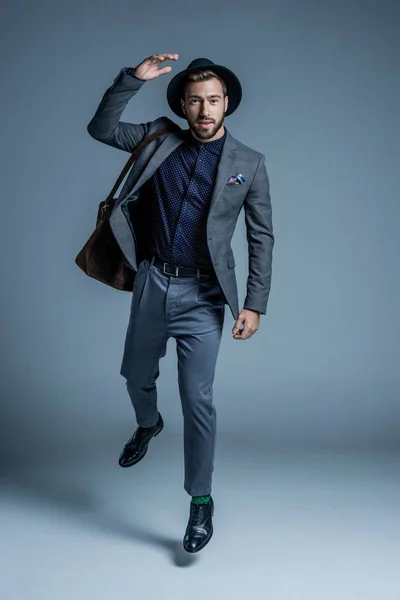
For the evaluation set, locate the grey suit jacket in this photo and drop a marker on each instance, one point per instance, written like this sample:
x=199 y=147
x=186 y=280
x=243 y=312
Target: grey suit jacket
x=226 y=202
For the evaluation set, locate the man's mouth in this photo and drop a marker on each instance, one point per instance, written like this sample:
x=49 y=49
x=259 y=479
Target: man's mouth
x=205 y=123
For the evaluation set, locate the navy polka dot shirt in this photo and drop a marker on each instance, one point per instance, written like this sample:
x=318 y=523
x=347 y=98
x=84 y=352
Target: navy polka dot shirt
x=177 y=199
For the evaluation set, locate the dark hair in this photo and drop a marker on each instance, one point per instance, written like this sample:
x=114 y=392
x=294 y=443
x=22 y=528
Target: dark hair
x=202 y=75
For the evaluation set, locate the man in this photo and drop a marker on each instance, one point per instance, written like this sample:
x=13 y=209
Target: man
x=174 y=220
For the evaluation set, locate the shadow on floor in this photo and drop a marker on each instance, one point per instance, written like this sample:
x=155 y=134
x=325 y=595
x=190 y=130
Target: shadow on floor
x=59 y=495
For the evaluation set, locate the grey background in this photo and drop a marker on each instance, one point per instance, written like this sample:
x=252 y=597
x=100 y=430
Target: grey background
x=321 y=98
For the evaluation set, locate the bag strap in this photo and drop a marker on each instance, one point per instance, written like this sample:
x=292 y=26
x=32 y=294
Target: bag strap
x=131 y=159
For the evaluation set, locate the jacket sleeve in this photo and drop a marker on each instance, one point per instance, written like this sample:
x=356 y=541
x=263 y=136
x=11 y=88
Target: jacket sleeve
x=260 y=239
x=105 y=125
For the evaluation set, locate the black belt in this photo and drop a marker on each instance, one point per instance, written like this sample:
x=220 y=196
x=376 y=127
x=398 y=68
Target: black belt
x=177 y=271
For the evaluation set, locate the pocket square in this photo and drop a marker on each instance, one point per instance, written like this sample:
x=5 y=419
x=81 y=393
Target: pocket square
x=236 y=179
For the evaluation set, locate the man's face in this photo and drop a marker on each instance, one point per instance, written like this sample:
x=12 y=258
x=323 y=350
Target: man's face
x=204 y=107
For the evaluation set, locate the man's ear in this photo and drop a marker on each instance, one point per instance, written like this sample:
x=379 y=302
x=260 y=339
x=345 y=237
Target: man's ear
x=183 y=106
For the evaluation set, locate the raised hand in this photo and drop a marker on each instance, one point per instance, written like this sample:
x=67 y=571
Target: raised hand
x=148 y=69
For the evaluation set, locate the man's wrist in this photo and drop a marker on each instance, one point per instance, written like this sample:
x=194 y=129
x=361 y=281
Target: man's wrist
x=132 y=74
x=252 y=310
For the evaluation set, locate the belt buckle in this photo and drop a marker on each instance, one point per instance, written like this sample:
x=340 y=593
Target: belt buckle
x=173 y=274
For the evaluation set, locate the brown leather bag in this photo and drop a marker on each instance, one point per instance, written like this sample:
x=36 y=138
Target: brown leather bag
x=101 y=257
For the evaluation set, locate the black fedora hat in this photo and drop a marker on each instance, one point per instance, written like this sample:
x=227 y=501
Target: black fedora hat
x=234 y=89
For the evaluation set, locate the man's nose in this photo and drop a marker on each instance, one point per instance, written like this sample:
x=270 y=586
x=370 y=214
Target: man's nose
x=205 y=108
x=205 y=112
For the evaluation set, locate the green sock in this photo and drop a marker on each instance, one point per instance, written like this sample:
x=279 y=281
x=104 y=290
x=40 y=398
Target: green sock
x=201 y=499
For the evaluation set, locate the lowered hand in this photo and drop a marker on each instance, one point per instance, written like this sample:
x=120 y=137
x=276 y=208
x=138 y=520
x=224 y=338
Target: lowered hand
x=250 y=319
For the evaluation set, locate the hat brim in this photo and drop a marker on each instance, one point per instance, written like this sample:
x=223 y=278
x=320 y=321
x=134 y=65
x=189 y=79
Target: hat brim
x=234 y=88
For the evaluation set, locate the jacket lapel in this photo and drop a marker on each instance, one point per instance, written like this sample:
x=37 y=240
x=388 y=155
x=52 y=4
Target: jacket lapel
x=225 y=168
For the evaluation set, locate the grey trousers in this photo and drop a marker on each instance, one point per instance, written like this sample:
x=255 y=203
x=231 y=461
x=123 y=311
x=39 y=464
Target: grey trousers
x=191 y=310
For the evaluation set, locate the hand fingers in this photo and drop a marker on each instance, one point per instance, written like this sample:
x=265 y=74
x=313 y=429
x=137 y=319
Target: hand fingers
x=242 y=335
x=161 y=57
x=245 y=333
x=164 y=70
x=236 y=326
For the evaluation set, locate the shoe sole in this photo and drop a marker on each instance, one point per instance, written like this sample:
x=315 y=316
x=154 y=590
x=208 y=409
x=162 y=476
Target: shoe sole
x=134 y=462
x=194 y=550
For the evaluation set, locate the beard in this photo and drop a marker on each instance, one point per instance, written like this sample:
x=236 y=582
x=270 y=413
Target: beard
x=209 y=133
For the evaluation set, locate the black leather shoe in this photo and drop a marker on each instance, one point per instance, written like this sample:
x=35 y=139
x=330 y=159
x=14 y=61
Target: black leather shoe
x=136 y=447
x=199 y=528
